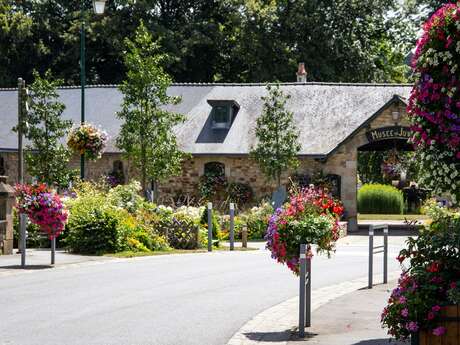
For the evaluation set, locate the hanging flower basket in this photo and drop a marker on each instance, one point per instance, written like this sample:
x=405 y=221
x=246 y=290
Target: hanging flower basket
x=43 y=207
x=434 y=104
x=88 y=140
x=310 y=217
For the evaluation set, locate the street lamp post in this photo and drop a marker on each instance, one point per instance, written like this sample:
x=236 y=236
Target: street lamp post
x=98 y=7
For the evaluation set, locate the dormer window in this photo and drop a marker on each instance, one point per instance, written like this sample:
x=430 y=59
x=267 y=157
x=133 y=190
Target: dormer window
x=223 y=113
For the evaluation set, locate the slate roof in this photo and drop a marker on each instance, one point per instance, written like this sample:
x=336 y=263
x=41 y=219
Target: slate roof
x=325 y=114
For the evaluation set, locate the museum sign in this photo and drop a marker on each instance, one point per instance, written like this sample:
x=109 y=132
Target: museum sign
x=388 y=133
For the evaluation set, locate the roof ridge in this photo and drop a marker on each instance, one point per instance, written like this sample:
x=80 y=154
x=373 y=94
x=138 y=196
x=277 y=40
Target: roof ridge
x=314 y=83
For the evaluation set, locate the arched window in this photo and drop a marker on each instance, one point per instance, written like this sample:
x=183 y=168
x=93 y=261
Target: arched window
x=2 y=167
x=214 y=168
x=117 y=175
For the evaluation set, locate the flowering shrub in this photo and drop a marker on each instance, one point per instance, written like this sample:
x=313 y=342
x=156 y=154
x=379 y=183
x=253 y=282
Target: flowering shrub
x=43 y=207
x=432 y=280
x=88 y=140
x=434 y=104
x=311 y=217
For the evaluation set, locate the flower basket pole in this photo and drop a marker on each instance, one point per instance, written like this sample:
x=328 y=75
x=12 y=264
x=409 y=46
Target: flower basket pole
x=304 y=289
x=53 y=248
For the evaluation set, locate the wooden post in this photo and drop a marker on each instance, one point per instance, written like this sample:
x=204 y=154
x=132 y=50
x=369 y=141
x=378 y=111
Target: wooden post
x=244 y=236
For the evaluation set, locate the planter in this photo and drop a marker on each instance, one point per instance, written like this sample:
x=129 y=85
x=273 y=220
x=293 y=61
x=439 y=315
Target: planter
x=450 y=319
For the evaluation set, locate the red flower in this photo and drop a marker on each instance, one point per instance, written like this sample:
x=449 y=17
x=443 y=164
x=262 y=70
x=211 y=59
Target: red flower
x=433 y=267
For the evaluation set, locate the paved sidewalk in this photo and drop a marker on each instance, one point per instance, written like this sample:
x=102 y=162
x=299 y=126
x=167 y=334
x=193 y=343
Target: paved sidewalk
x=39 y=259
x=343 y=314
x=353 y=319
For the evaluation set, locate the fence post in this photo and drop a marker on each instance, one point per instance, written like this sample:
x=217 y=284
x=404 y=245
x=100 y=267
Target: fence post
x=244 y=237
x=302 y=290
x=232 y=226
x=371 y=256
x=210 y=227
x=23 y=231
x=385 y=254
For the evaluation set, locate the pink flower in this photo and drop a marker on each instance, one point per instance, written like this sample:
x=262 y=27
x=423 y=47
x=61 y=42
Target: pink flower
x=405 y=312
x=412 y=326
x=436 y=308
x=402 y=300
x=438 y=331
x=430 y=315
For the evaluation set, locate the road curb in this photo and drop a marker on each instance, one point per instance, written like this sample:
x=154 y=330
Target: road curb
x=281 y=319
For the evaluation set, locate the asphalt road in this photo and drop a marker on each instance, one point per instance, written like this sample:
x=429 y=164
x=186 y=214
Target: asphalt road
x=191 y=299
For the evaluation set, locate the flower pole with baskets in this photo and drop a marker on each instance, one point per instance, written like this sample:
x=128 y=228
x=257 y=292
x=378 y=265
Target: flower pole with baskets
x=425 y=304
x=88 y=141
x=44 y=208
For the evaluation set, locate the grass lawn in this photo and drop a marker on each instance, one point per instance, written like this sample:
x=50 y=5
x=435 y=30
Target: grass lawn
x=392 y=217
x=131 y=254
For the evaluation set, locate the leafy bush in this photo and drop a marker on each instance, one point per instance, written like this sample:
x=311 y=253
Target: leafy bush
x=257 y=219
x=99 y=224
x=380 y=199
x=126 y=196
x=216 y=233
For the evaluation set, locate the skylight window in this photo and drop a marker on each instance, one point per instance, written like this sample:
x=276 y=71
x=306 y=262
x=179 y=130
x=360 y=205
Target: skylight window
x=223 y=113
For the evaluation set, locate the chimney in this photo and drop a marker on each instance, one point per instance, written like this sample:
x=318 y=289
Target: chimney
x=301 y=73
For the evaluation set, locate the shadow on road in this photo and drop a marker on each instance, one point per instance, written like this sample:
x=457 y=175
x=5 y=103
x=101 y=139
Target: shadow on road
x=27 y=267
x=274 y=337
x=381 y=342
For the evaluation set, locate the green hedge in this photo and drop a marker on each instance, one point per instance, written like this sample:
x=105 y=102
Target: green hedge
x=380 y=199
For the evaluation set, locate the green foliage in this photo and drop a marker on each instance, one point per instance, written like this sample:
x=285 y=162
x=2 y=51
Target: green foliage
x=47 y=158
x=220 y=40
x=216 y=231
x=370 y=166
x=380 y=199
x=126 y=196
x=93 y=232
x=256 y=220
x=146 y=135
x=101 y=222
x=277 y=138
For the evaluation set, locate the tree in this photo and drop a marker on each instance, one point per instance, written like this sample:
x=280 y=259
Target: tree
x=213 y=40
x=46 y=157
x=146 y=136
x=277 y=139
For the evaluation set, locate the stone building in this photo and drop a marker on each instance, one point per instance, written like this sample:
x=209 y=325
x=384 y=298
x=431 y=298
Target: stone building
x=334 y=121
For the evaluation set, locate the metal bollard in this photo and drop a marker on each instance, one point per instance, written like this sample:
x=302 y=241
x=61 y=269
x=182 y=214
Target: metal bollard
x=304 y=291
x=385 y=255
x=371 y=257
x=23 y=244
x=53 y=250
x=210 y=227
x=244 y=236
x=232 y=226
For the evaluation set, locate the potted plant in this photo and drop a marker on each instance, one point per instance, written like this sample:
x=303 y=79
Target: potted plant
x=425 y=304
